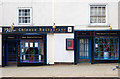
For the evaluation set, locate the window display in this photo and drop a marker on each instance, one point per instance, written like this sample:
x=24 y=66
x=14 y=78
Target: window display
x=106 y=48
x=32 y=51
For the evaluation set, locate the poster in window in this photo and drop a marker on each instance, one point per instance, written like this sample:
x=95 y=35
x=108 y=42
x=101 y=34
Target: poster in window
x=31 y=44
x=22 y=50
x=26 y=44
x=39 y=57
x=69 y=44
x=36 y=44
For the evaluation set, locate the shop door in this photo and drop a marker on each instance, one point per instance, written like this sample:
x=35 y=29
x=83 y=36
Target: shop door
x=84 y=50
x=11 y=52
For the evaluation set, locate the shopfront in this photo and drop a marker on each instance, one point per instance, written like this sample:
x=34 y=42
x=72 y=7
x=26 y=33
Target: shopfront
x=24 y=49
x=27 y=45
x=97 y=46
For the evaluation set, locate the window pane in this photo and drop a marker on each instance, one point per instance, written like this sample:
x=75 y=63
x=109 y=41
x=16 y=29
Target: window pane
x=103 y=11
x=99 y=19
x=97 y=14
x=26 y=12
x=23 y=12
x=32 y=51
x=19 y=12
x=24 y=16
x=103 y=20
x=20 y=20
x=106 y=48
x=99 y=11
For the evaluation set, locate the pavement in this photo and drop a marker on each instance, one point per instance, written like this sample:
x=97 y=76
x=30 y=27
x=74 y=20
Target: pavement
x=61 y=70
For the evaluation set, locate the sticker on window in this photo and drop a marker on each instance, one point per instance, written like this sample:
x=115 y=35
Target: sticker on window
x=31 y=44
x=36 y=44
x=26 y=44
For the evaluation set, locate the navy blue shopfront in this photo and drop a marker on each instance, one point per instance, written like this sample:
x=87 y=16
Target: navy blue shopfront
x=24 y=49
x=97 y=46
x=27 y=46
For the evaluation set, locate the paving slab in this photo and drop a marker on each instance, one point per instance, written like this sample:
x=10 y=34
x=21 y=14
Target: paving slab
x=61 y=70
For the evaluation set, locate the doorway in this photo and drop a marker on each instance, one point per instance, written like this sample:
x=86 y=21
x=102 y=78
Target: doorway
x=11 y=53
x=84 y=50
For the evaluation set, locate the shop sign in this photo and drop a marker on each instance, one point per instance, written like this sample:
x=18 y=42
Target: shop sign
x=38 y=29
x=31 y=37
x=84 y=33
x=106 y=33
x=1 y=30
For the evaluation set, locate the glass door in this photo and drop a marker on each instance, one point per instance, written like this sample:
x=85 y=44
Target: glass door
x=84 y=54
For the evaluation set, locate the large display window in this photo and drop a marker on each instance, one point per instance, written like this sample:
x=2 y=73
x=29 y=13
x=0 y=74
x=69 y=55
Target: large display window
x=32 y=51
x=106 y=48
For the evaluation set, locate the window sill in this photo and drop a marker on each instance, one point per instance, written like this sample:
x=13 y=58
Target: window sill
x=106 y=59
x=24 y=23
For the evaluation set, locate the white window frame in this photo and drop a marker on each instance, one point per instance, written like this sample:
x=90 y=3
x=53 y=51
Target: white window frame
x=30 y=15
x=98 y=24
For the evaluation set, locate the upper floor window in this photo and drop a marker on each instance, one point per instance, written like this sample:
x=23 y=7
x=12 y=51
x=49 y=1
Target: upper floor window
x=98 y=14
x=24 y=15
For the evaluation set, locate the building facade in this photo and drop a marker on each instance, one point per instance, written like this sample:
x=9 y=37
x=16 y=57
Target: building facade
x=41 y=32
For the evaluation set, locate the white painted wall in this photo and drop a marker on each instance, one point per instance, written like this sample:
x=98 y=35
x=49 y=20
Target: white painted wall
x=50 y=48
x=61 y=54
x=0 y=13
x=119 y=14
x=76 y=12
x=41 y=15
x=67 y=12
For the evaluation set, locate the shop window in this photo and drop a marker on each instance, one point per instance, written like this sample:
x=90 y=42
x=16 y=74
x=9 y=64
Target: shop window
x=106 y=48
x=24 y=15
x=98 y=15
x=32 y=51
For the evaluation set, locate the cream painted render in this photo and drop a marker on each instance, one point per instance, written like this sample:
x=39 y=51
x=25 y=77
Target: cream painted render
x=61 y=54
x=56 y=48
x=50 y=48
x=66 y=12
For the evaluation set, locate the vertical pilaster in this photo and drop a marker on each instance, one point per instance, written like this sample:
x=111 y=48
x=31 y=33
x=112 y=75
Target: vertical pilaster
x=75 y=48
x=92 y=47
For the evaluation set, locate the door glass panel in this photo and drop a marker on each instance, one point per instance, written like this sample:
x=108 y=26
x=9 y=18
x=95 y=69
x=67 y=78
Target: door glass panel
x=83 y=49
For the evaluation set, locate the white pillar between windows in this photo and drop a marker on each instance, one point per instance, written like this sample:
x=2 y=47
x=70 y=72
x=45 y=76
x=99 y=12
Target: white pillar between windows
x=50 y=48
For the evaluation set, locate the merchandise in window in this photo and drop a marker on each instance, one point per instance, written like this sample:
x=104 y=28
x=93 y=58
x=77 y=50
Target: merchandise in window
x=106 y=48
x=32 y=51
